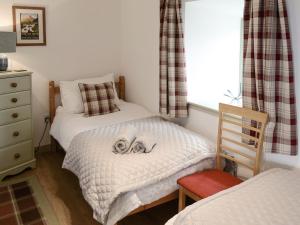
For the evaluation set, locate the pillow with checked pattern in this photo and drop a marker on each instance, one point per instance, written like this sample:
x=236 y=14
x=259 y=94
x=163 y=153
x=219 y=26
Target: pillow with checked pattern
x=98 y=99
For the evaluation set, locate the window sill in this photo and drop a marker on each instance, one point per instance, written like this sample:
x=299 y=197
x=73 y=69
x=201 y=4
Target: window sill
x=202 y=108
x=208 y=110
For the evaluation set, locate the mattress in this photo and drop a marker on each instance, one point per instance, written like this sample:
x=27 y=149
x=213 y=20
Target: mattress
x=67 y=125
x=271 y=198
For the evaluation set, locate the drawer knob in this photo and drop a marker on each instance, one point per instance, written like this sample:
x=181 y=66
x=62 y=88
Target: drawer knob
x=16 y=134
x=17 y=156
x=14 y=85
x=15 y=115
x=14 y=100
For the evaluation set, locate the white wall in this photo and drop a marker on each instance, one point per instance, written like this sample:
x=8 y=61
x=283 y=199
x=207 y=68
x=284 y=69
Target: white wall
x=83 y=39
x=140 y=51
x=140 y=62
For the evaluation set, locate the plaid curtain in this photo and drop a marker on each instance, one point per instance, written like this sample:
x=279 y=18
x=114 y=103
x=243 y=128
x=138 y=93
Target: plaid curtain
x=268 y=72
x=173 y=90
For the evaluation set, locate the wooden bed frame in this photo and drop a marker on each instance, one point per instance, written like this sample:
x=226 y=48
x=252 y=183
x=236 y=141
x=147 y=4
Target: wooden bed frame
x=54 y=95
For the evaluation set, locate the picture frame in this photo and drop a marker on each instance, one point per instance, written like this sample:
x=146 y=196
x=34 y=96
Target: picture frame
x=29 y=23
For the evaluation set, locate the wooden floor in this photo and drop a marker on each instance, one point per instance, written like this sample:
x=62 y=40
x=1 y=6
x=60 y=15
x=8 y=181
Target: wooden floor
x=64 y=193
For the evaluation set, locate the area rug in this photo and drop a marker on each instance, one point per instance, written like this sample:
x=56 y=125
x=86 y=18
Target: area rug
x=23 y=202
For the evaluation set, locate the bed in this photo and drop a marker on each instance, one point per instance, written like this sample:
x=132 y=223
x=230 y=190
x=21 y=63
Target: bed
x=271 y=198
x=116 y=186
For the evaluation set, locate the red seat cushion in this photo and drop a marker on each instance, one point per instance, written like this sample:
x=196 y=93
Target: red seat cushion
x=209 y=182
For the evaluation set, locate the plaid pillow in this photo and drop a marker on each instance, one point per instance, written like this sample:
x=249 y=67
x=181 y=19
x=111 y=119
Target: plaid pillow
x=98 y=99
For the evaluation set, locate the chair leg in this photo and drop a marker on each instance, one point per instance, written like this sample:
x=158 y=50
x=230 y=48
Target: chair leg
x=182 y=198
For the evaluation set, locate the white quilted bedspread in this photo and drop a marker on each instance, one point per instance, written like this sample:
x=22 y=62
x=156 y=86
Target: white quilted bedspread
x=104 y=175
x=271 y=198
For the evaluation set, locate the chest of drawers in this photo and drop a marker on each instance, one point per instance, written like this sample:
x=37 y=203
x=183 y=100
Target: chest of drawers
x=16 y=145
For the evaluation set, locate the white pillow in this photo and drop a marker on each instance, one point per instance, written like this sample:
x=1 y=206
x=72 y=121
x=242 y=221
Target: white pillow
x=70 y=94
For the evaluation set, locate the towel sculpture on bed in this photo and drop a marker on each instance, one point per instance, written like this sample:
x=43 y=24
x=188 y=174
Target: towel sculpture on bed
x=124 y=140
x=143 y=144
x=128 y=142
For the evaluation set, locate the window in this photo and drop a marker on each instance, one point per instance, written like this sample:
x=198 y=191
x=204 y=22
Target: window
x=213 y=42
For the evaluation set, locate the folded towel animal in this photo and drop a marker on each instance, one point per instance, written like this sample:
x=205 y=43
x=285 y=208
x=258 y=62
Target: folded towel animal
x=124 y=140
x=143 y=144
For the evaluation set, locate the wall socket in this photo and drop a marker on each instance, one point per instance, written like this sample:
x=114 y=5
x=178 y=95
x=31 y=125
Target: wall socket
x=46 y=119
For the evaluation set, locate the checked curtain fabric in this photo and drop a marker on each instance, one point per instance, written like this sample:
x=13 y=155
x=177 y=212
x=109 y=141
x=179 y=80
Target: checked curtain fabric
x=268 y=72
x=173 y=87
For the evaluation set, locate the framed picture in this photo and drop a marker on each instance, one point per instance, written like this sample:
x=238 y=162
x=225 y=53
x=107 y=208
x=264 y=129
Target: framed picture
x=30 y=25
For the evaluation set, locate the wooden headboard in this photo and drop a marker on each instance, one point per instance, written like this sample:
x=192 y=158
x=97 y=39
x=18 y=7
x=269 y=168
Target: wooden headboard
x=54 y=92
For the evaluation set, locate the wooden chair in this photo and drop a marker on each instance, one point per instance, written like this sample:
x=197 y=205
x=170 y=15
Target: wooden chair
x=240 y=140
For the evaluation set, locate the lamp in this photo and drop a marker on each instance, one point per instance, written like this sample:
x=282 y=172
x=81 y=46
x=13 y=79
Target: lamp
x=7 y=45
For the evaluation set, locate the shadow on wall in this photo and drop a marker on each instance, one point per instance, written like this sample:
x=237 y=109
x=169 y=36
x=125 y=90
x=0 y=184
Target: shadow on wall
x=39 y=94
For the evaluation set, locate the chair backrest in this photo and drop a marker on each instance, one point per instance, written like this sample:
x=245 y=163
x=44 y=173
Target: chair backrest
x=241 y=136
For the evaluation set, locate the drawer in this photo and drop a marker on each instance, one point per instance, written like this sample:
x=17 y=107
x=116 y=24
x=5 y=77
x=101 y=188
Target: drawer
x=15 y=99
x=15 y=84
x=15 y=114
x=15 y=155
x=15 y=133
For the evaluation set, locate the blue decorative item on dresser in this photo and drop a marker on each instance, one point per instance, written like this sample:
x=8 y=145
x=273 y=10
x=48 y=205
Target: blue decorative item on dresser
x=16 y=145
x=7 y=45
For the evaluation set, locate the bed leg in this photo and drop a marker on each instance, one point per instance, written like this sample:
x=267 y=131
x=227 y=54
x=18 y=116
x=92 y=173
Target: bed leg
x=181 y=201
x=53 y=144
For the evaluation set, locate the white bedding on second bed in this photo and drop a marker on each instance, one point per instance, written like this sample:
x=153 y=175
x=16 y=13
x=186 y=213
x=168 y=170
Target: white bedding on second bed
x=271 y=198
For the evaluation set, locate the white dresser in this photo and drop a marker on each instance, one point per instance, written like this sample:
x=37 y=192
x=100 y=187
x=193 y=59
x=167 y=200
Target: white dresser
x=16 y=146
